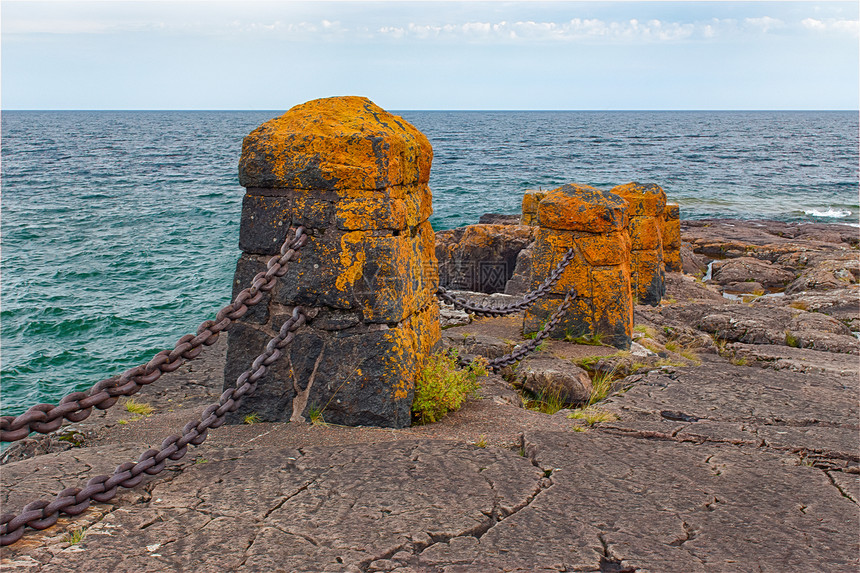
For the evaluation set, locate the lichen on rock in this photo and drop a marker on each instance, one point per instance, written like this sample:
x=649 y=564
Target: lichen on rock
x=355 y=176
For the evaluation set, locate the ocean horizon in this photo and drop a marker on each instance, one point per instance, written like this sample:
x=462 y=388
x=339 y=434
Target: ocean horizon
x=120 y=228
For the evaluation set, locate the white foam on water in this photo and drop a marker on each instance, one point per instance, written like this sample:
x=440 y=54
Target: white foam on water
x=831 y=212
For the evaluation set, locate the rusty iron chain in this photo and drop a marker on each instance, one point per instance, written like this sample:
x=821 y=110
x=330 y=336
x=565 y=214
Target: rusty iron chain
x=523 y=350
x=485 y=308
x=77 y=406
x=41 y=514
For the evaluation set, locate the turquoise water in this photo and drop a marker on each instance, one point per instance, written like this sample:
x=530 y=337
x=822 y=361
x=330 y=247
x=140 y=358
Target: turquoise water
x=120 y=229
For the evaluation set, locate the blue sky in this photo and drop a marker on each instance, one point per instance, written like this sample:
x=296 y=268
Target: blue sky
x=430 y=55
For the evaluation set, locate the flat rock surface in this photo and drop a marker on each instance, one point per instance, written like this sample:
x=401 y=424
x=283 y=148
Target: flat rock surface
x=743 y=462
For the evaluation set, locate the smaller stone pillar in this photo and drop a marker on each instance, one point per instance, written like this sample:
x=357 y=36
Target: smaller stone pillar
x=647 y=203
x=355 y=176
x=593 y=222
x=530 y=206
x=670 y=231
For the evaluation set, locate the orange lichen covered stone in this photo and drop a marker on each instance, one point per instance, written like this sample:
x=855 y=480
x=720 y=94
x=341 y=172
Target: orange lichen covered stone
x=335 y=143
x=576 y=207
x=599 y=271
x=671 y=233
x=645 y=199
x=531 y=198
x=647 y=203
x=355 y=177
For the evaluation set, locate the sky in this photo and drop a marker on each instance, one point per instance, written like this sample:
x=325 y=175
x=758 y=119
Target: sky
x=161 y=54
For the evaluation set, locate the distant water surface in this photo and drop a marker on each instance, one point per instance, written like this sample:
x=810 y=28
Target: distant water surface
x=120 y=229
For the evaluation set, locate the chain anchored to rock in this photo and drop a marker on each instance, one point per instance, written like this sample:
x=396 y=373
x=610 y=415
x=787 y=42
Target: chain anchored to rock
x=42 y=513
x=77 y=406
x=484 y=309
x=524 y=350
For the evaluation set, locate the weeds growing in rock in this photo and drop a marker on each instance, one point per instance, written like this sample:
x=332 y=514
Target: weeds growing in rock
x=135 y=407
x=646 y=331
x=691 y=356
x=592 y=416
x=443 y=386
x=601 y=385
x=482 y=441
x=75 y=536
x=791 y=340
x=595 y=339
x=315 y=413
x=545 y=402
x=252 y=418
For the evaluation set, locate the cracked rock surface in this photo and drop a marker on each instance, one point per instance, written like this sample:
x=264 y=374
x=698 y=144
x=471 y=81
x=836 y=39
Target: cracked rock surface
x=716 y=467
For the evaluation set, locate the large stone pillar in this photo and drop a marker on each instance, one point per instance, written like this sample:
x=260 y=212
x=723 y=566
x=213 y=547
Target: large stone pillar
x=356 y=177
x=593 y=222
x=647 y=202
x=670 y=231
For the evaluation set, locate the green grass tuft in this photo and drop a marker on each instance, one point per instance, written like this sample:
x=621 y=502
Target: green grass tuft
x=136 y=407
x=75 y=536
x=592 y=415
x=252 y=418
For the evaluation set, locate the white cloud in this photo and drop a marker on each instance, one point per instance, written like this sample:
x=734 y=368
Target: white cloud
x=765 y=24
x=832 y=25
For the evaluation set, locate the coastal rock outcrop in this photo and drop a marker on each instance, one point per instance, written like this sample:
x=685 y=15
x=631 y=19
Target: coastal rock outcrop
x=482 y=257
x=356 y=177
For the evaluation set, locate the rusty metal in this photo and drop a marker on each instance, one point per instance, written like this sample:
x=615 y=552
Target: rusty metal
x=485 y=308
x=41 y=514
x=523 y=350
x=77 y=406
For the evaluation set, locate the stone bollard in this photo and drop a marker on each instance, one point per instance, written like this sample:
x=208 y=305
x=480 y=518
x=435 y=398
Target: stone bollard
x=356 y=177
x=647 y=203
x=531 y=198
x=670 y=231
x=595 y=223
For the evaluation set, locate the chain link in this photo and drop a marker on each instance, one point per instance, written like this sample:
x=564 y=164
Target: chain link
x=523 y=350
x=77 y=406
x=484 y=309
x=41 y=514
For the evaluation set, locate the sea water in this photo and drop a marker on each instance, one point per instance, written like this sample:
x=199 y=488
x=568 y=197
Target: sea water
x=120 y=229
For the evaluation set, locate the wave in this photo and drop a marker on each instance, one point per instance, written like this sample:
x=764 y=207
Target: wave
x=831 y=212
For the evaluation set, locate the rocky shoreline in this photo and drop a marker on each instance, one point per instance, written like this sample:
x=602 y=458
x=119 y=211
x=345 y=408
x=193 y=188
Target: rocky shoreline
x=728 y=441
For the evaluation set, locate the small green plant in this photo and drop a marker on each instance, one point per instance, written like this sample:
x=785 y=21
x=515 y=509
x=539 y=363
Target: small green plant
x=541 y=347
x=672 y=346
x=593 y=339
x=669 y=300
x=791 y=340
x=738 y=360
x=601 y=385
x=141 y=408
x=75 y=536
x=201 y=461
x=691 y=356
x=546 y=402
x=580 y=429
x=648 y=331
x=442 y=386
x=123 y=422
x=252 y=418
x=315 y=413
x=592 y=416
x=482 y=441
